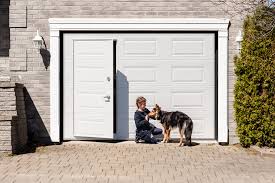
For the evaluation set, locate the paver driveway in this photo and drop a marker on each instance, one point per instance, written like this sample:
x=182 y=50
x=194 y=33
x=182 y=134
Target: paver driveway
x=130 y=162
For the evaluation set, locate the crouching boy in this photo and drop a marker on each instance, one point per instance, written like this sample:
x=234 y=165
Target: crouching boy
x=144 y=129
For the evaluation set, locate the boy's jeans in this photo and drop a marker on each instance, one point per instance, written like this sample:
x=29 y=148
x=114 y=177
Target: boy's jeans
x=146 y=135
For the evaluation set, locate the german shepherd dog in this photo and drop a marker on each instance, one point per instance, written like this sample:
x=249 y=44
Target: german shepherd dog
x=171 y=120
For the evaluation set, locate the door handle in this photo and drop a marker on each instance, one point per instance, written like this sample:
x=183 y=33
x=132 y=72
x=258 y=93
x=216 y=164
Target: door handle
x=107 y=98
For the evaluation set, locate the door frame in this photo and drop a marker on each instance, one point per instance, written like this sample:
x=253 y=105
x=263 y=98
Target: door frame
x=57 y=25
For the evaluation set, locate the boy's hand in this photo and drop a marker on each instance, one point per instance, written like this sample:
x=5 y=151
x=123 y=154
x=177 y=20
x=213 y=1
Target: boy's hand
x=147 y=118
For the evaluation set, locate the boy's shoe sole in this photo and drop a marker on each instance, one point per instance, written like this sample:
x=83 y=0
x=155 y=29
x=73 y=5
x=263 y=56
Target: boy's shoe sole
x=140 y=141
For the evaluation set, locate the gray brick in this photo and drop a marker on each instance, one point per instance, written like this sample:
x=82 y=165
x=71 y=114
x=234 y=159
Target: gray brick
x=6 y=94
x=5 y=133
x=9 y=98
x=5 y=78
x=6 y=89
x=18 y=16
x=8 y=113
x=5 y=148
x=7 y=103
x=5 y=138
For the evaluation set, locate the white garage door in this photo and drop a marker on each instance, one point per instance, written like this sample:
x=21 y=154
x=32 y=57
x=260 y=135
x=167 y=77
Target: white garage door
x=174 y=70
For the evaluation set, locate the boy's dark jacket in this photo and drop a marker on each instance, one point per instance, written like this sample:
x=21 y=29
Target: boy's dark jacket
x=140 y=121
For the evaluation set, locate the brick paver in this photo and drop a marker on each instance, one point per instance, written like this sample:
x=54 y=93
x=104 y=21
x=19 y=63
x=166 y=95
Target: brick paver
x=130 y=162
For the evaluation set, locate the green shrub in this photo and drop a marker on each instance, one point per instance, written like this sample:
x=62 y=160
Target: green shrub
x=254 y=90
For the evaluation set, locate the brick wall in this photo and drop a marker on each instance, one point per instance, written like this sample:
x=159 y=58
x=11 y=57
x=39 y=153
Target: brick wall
x=13 y=125
x=29 y=15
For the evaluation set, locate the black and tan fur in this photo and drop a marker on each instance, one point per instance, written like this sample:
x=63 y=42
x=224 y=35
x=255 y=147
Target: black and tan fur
x=171 y=120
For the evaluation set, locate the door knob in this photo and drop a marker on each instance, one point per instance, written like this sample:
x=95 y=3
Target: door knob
x=108 y=78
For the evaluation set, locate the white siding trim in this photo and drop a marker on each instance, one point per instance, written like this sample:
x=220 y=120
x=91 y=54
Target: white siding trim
x=189 y=24
x=223 y=86
x=55 y=87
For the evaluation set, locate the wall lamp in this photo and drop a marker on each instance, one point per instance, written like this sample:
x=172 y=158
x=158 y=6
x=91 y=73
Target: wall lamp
x=239 y=40
x=37 y=42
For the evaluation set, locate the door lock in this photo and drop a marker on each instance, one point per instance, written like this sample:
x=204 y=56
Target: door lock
x=108 y=78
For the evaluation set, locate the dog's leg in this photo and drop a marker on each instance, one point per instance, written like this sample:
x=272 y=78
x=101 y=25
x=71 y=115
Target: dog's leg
x=188 y=132
x=168 y=134
x=181 y=136
x=164 y=135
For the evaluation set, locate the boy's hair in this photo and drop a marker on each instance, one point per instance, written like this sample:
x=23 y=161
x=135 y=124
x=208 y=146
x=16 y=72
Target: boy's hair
x=139 y=100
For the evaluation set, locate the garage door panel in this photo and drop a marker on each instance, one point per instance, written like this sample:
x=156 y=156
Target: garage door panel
x=188 y=74
x=191 y=46
x=187 y=48
x=89 y=100
x=187 y=99
x=88 y=61
x=197 y=108
x=98 y=129
x=96 y=114
x=89 y=47
x=138 y=46
x=87 y=87
x=199 y=73
x=140 y=74
x=85 y=75
x=146 y=47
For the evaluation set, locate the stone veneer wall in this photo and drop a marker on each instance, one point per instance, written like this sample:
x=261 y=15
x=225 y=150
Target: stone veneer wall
x=13 y=125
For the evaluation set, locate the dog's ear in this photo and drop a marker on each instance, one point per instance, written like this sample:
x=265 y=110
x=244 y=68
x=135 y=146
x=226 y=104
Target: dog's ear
x=157 y=106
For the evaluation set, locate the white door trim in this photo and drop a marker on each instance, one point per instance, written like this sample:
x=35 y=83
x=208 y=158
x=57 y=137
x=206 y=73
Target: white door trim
x=146 y=24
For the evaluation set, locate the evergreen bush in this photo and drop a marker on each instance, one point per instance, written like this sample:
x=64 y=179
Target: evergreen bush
x=254 y=92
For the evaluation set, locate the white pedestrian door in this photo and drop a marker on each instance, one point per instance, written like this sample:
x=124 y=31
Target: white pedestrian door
x=92 y=87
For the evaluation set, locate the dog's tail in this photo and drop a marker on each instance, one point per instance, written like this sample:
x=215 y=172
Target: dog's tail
x=188 y=131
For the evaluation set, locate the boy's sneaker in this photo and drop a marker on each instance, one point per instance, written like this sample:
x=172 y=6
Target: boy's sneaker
x=138 y=140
